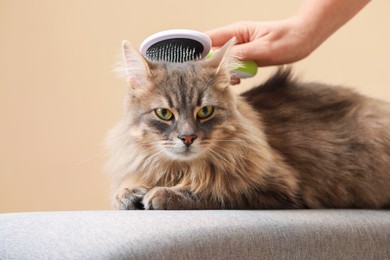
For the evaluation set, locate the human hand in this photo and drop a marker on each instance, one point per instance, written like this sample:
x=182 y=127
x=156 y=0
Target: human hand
x=268 y=43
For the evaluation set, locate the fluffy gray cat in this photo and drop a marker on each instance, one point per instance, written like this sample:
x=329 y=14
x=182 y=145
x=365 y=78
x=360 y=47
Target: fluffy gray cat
x=186 y=141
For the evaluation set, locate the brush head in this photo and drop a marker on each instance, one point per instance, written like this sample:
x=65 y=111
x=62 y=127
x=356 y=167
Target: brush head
x=176 y=46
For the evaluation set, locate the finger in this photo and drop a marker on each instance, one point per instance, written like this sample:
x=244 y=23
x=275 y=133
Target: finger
x=254 y=51
x=222 y=35
x=246 y=51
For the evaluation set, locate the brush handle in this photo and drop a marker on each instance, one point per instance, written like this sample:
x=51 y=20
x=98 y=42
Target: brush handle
x=247 y=69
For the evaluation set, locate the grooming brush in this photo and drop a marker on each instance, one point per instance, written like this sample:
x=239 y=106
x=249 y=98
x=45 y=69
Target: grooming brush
x=186 y=45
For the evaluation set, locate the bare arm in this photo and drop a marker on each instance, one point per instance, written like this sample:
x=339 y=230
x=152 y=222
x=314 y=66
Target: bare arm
x=325 y=17
x=292 y=39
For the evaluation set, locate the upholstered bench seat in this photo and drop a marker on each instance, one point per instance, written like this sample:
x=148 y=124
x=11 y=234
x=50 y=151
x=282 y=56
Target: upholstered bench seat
x=219 y=234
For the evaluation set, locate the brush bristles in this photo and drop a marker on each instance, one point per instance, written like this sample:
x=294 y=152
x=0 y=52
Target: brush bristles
x=175 y=50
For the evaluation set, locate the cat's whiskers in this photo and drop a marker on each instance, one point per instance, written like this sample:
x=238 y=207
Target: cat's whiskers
x=219 y=156
x=231 y=140
x=149 y=160
x=151 y=149
x=144 y=145
x=260 y=144
x=92 y=157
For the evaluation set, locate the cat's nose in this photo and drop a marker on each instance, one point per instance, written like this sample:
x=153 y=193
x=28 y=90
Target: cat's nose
x=187 y=139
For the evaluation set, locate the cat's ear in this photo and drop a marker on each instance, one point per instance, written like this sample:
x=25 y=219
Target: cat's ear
x=134 y=67
x=223 y=60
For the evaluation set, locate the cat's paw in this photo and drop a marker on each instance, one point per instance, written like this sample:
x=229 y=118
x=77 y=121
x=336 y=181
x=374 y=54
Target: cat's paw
x=160 y=198
x=130 y=199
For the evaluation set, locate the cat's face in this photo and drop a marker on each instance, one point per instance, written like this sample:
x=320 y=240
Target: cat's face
x=180 y=111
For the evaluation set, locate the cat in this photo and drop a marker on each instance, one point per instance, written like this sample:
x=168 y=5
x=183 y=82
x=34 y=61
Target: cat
x=186 y=141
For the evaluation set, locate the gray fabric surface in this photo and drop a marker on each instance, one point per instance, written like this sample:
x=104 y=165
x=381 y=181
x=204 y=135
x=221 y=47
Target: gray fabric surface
x=284 y=234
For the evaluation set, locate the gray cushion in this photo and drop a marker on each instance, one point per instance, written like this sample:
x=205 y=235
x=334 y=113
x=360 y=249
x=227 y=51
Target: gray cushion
x=271 y=234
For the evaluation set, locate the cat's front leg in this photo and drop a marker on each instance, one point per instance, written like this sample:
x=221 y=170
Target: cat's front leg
x=130 y=198
x=170 y=198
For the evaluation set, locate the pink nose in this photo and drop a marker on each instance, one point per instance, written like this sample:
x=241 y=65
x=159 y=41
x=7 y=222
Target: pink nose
x=187 y=139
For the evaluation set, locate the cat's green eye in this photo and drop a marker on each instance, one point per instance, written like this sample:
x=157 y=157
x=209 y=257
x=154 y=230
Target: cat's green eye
x=205 y=112
x=164 y=114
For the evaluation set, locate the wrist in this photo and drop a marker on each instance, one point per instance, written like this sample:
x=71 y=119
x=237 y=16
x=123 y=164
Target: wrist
x=308 y=31
x=315 y=27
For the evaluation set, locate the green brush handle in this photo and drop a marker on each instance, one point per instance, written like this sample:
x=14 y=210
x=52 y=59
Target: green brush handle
x=247 y=69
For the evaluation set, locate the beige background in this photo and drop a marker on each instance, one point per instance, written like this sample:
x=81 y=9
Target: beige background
x=58 y=95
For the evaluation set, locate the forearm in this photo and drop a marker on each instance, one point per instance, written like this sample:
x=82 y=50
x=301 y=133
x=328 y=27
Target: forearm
x=324 y=17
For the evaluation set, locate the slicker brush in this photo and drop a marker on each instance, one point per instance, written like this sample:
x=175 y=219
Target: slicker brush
x=182 y=45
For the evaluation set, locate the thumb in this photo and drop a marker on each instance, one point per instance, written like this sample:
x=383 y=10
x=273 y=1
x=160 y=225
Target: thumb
x=246 y=51
x=252 y=51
